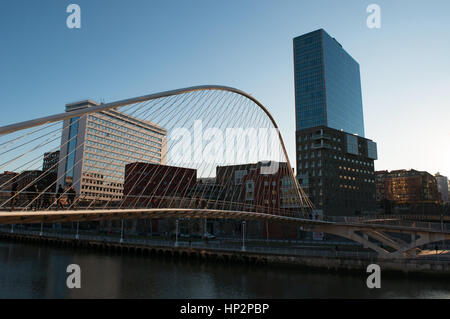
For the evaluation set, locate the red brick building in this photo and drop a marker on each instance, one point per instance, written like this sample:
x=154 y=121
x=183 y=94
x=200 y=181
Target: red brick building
x=146 y=185
x=6 y=181
x=257 y=185
x=146 y=180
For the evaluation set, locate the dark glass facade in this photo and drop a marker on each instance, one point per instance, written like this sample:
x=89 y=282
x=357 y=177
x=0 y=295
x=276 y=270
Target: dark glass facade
x=327 y=85
x=336 y=170
x=71 y=150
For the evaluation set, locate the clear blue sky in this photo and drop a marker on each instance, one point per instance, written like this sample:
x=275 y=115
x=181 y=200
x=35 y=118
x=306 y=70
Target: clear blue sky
x=130 y=48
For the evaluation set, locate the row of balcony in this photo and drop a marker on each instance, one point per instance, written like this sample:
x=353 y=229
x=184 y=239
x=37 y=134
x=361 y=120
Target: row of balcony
x=320 y=145
x=321 y=136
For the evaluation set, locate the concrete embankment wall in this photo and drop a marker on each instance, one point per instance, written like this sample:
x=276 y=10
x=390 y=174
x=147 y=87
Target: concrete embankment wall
x=337 y=264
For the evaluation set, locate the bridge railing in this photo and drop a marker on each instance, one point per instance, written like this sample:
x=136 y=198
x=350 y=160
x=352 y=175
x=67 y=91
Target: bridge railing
x=420 y=225
x=416 y=217
x=49 y=201
x=217 y=244
x=431 y=226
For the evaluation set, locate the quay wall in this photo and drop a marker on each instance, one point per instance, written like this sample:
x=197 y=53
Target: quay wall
x=425 y=267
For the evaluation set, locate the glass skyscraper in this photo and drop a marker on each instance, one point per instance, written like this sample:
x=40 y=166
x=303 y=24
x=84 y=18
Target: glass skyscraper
x=327 y=85
x=335 y=162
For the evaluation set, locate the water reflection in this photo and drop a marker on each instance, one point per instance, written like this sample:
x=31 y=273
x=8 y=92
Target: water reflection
x=32 y=271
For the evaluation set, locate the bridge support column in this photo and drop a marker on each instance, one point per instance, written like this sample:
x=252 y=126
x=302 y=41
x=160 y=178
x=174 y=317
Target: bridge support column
x=205 y=227
x=121 y=233
x=42 y=230
x=413 y=252
x=366 y=238
x=151 y=228
x=398 y=247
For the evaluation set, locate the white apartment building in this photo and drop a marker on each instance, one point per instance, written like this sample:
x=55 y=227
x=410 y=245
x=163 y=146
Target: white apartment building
x=96 y=147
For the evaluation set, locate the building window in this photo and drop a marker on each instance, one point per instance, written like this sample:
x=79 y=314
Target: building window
x=238 y=176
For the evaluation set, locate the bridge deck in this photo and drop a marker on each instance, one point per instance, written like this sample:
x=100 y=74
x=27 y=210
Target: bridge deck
x=30 y=217
x=59 y=216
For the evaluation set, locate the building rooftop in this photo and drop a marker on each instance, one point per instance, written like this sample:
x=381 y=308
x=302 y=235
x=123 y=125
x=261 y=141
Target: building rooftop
x=79 y=105
x=70 y=107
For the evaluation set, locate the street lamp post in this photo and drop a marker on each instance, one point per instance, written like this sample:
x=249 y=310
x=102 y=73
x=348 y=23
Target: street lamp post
x=121 y=233
x=151 y=228
x=176 y=233
x=243 y=235
x=42 y=229
x=77 y=236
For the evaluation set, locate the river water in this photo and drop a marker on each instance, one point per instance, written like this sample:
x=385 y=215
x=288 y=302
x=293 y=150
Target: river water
x=33 y=271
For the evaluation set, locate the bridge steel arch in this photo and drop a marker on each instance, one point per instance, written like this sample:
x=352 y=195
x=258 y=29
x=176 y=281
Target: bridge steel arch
x=358 y=230
x=113 y=105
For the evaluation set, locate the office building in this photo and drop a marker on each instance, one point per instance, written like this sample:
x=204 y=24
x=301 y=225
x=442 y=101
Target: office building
x=442 y=184
x=336 y=170
x=408 y=191
x=147 y=184
x=335 y=163
x=96 y=147
x=411 y=187
x=153 y=185
x=327 y=85
x=380 y=180
x=51 y=161
x=7 y=179
x=271 y=193
x=249 y=184
x=43 y=180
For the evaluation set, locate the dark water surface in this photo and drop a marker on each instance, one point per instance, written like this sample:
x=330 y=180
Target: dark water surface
x=32 y=271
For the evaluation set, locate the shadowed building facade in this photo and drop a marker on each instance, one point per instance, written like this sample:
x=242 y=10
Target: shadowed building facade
x=146 y=184
x=51 y=160
x=442 y=184
x=271 y=191
x=152 y=185
x=336 y=169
